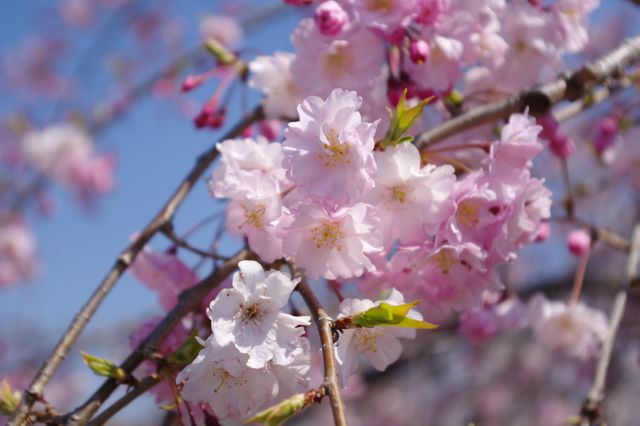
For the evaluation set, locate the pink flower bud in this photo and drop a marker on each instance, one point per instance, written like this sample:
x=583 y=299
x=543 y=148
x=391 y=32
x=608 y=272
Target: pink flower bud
x=578 y=242
x=418 y=51
x=549 y=126
x=191 y=82
x=543 y=232
x=330 y=18
x=298 y=2
x=562 y=145
x=605 y=136
x=270 y=129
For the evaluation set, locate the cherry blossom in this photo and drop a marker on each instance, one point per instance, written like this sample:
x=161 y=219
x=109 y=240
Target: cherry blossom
x=248 y=317
x=574 y=329
x=17 y=252
x=164 y=273
x=411 y=201
x=329 y=146
x=272 y=76
x=333 y=242
x=380 y=345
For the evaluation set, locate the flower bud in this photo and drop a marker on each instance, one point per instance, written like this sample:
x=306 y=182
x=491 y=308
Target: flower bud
x=562 y=145
x=605 y=135
x=578 y=242
x=270 y=129
x=191 y=82
x=298 y=2
x=418 y=51
x=543 y=232
x=330 y=18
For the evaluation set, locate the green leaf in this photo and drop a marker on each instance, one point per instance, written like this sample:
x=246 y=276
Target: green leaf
x=9 y=399
x=103 y=367
x=386 y=315
x=187 y=352
x=279 y=413
x=401 y=121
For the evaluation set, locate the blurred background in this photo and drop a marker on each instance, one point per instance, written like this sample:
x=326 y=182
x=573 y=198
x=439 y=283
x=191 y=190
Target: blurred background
x=119 y=65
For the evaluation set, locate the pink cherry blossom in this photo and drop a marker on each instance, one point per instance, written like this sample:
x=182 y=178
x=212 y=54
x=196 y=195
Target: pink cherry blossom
x=272 y=76
x=351 y=61
x=329 y=146
x=258 y=220
x=164 y=273
x=225 y=29
x=411 y=201
x=574 y=329
x=248 y=316
x=65 y=153
x=248 y=169
x=446 y=278
x=333 y=243
x=385 y=15
x=17 y=252
x=220 y=377
x=380 y=345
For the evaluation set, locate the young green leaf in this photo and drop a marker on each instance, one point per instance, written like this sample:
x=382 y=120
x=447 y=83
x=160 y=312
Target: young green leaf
x=103 y=367
x=187 y=352
x=279 y=413
x=9 y=399
x=401 y=121
x=386 y=315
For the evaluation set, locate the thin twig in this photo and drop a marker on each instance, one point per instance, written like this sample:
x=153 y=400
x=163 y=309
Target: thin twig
x=171 y=235
x=323 y=322
x=188 y=301
x=571 y=86
x=590 y=413
x=81 y=319
x=143 y=386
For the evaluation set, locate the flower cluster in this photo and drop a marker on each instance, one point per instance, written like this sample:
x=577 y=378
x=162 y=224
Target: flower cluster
x=256 y=353
x=17 y=251
x=379 y=48
x=65 y=153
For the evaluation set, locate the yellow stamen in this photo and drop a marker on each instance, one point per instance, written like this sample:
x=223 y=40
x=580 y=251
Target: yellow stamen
x=328 y=235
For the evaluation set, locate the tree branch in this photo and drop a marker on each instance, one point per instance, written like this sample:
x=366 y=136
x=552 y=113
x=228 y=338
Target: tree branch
x=570 y=86
x=189 y=300
x=127 y=256
x=323 y=322
x=143 y=385
x=590 y=412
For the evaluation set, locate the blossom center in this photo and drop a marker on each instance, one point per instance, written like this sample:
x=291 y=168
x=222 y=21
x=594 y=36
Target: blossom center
x=328 y=235
x=338 y=61
x=367 y=339
x=251 y=313
x=467 y=213
x=335 y=152
x=380 y=5
x=253 y=217
x=399 y=194
x=224 y=375
x=444 y=261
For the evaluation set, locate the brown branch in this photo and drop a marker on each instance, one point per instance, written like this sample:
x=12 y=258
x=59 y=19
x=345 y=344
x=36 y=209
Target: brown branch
x=126 y=257
x=189 y=300
x=179 y=242
x=140 y=388
x=590 y=413
x=571 y=86
x=323 y=322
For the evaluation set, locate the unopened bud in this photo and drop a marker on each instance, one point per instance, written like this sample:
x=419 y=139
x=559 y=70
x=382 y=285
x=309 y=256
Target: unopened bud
x=578 y=242
x=191 y=82
x=419 y=51
x=330 y=18
x=543 y=232
x=605 y=135
x=562 y=145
